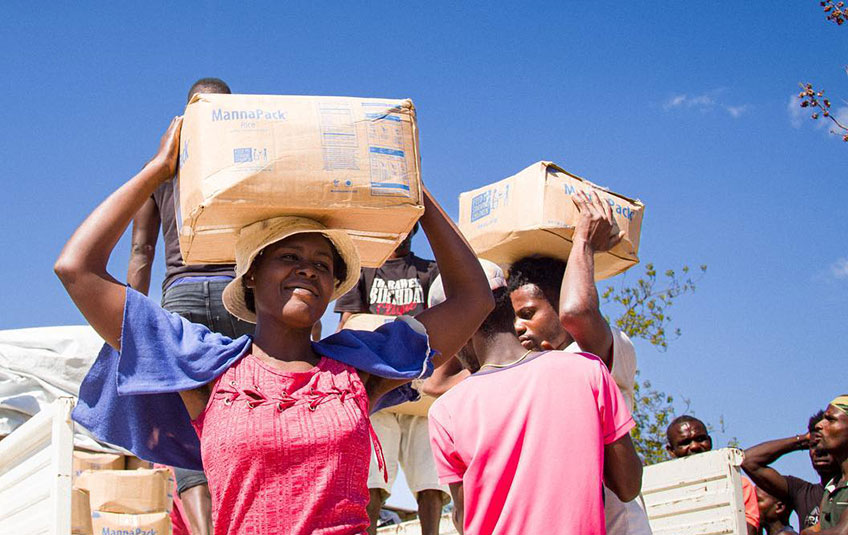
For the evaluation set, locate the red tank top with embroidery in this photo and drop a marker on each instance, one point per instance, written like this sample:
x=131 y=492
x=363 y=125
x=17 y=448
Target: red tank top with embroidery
x=287 y=452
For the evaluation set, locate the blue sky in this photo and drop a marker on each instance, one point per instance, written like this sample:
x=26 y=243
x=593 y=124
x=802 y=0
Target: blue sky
x=688 y=108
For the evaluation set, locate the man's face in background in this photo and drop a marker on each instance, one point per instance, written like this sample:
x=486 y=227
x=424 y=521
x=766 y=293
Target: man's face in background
x=536 y=319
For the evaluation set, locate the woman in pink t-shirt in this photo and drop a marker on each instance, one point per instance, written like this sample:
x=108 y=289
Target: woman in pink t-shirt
x=283 y=429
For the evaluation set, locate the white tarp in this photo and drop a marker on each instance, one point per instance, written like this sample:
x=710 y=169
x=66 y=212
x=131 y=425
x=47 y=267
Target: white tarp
x=39 y=365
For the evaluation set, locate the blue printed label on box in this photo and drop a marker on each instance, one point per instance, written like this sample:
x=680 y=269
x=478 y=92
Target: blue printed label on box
x=481 y=205
x=249 y=154
x=242 y=155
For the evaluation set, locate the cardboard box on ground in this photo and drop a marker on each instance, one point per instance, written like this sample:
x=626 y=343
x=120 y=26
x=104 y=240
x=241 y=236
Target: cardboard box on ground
x=370 y=322
x=80 y=513
x=84 y=460
x=532 y=213
x=123 y=524
x=350 y=163
x=114 y=482
x=127 y=491
x=134 y=463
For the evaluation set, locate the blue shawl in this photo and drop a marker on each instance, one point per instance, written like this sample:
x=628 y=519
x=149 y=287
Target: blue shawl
x=131 y=398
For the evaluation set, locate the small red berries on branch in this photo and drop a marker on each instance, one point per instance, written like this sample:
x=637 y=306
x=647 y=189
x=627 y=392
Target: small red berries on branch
x=810 y=98
x=836 y=11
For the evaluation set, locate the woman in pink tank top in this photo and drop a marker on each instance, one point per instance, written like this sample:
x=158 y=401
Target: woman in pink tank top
x=284 y=431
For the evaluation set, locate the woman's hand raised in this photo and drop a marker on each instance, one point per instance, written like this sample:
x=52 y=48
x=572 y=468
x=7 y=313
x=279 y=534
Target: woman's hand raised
x=166 y=158
x=82 y=264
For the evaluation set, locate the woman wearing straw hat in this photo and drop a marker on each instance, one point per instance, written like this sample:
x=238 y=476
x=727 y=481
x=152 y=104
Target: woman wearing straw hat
x=282 y=422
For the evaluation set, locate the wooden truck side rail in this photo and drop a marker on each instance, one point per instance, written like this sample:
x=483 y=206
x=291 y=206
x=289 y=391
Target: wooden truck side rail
x=35 y=473
x=697 y=495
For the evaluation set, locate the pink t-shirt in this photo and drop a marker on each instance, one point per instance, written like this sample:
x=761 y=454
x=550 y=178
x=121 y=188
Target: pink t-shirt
x=527 y=442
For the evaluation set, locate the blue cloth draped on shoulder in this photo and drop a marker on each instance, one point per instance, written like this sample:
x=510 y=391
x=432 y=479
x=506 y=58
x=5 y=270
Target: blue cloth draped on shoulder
x=130 y=399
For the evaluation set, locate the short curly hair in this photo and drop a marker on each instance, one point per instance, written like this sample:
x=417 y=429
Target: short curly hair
x=685 y=419
x=544 y=272
x=214 y=85
x=502 y=318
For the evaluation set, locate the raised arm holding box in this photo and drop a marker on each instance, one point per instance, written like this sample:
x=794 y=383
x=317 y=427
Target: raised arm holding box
x=579 y=307
x=82 y=264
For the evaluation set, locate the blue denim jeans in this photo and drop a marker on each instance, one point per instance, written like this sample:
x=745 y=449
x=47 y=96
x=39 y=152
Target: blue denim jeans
x=200 y=302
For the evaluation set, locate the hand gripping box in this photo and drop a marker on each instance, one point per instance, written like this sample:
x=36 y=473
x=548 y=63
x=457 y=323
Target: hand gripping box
x=351 y=163
x=127 y=491
x=532 y=213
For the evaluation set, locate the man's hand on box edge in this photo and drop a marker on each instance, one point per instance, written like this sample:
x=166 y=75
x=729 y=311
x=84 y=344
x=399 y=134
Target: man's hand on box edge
x=596 y=225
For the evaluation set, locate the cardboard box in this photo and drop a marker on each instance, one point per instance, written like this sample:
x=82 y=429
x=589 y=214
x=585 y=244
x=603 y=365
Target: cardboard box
x=80 y=513
x=532 y=213
x=370 y=322
x=105 y=523
x=367 y=322
x=350 y=163
x=128 y=491
x=84 y=460
x=414 y=408
x=134 y=463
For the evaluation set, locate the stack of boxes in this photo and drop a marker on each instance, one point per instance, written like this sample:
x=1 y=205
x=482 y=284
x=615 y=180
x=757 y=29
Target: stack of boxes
x=117 y=494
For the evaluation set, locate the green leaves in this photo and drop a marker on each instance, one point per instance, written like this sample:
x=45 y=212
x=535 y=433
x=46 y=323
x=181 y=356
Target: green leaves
x=653 y=411
x=643 y=305
x=642 y=312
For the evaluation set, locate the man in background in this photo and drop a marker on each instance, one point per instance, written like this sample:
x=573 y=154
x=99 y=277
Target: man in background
x=557 y=308
x=687 y=436
x=798 y=495
x=400 y=287
x=833 y=430
x=526 y=441
x=192 y=291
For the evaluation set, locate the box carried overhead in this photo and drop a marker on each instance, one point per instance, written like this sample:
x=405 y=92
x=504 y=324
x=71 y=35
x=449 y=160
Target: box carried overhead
x=350 y=163
x=532 y=213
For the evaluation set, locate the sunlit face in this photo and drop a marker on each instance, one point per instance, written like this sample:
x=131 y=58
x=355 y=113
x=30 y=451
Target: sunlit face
x=822 y=461
x=536 y=320
x=689 y=438
x=833 y=429
x=293 y=280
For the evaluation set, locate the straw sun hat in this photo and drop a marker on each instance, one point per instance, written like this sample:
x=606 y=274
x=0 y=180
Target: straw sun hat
x=253 y=238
